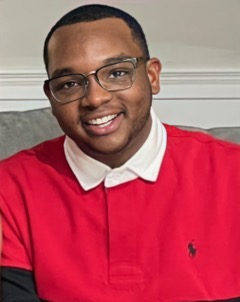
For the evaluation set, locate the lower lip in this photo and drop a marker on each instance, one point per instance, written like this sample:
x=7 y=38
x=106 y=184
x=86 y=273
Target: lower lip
x=105 y=129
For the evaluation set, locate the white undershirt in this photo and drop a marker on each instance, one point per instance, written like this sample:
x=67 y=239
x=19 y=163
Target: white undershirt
x=145 y=163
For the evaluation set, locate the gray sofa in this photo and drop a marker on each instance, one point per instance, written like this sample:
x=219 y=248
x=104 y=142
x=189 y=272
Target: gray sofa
x=21 y=130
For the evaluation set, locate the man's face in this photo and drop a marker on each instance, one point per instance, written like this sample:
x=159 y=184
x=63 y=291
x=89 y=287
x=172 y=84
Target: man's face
x=81 y=48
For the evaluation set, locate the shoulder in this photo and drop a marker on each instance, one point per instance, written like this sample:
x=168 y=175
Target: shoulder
x=47 y=151
x=199 y=150
x=199 y=138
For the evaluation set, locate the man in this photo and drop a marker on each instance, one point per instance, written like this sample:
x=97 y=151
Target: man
x=122 y=208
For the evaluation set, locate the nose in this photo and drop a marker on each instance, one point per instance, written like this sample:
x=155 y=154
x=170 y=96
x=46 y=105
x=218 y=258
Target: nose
x=95 y=95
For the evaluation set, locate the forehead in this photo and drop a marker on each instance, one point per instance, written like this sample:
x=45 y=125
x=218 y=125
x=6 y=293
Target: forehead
x=93 y=42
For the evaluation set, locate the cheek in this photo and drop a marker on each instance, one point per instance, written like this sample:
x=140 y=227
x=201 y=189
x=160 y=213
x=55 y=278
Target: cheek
x=137 y=100
x=143 y=96
x=143 y=86
x=67 y=115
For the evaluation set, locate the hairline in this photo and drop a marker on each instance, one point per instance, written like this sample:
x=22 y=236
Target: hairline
x=135 y=28
x=133 y=35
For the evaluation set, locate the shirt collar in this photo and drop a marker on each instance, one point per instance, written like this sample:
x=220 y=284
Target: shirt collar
x=145 y=163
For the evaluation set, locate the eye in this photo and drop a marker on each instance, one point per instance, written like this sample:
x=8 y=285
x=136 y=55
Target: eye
x=117 y=74
x=67 y=84
x=70 y=84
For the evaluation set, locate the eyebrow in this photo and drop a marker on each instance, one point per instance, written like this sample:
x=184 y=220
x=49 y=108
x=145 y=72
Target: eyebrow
x=66 y=71
x=116 y=59
x=61 y=72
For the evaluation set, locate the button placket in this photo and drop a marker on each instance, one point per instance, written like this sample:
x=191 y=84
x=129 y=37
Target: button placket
x=124 y=268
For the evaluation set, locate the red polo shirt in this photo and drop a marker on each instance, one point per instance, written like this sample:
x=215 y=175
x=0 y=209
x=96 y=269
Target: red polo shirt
x=177 y=239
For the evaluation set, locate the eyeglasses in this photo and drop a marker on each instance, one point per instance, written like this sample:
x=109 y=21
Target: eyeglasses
x=112 y=77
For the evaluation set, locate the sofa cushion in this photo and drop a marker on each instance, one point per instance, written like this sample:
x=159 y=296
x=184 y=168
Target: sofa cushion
x=231 y=134
x=24 y=129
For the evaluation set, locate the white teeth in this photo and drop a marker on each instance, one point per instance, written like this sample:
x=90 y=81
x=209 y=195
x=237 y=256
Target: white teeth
x=103 y=120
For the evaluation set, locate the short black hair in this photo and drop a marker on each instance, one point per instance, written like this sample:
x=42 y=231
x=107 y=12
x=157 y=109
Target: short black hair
x=93 y=12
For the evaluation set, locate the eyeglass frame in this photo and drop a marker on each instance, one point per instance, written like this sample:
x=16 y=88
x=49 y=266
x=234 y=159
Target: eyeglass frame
x=134 y=61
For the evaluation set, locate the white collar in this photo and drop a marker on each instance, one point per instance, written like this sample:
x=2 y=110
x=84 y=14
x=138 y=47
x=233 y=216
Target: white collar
x=145 y=163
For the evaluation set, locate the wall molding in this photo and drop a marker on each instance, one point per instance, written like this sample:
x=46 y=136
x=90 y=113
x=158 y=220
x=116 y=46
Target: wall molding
x=202 y=77
x=25 y=85
x=168 y=77
x=196 y=98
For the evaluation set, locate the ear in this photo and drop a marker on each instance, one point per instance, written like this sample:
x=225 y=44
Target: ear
x=47 y=91
x=153 y=70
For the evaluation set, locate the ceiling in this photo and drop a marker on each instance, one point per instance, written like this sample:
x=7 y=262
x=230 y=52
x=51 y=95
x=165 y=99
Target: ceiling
x=184 y=34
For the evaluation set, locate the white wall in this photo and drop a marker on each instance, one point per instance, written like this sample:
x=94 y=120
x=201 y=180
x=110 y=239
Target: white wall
x=198 y=42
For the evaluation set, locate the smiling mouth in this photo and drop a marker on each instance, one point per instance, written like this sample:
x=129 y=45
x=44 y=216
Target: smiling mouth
x=103 y=121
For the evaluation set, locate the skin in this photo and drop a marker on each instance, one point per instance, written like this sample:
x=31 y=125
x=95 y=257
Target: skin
x=86 y=46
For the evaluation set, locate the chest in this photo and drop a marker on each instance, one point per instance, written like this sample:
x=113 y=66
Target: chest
x=139 y=242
